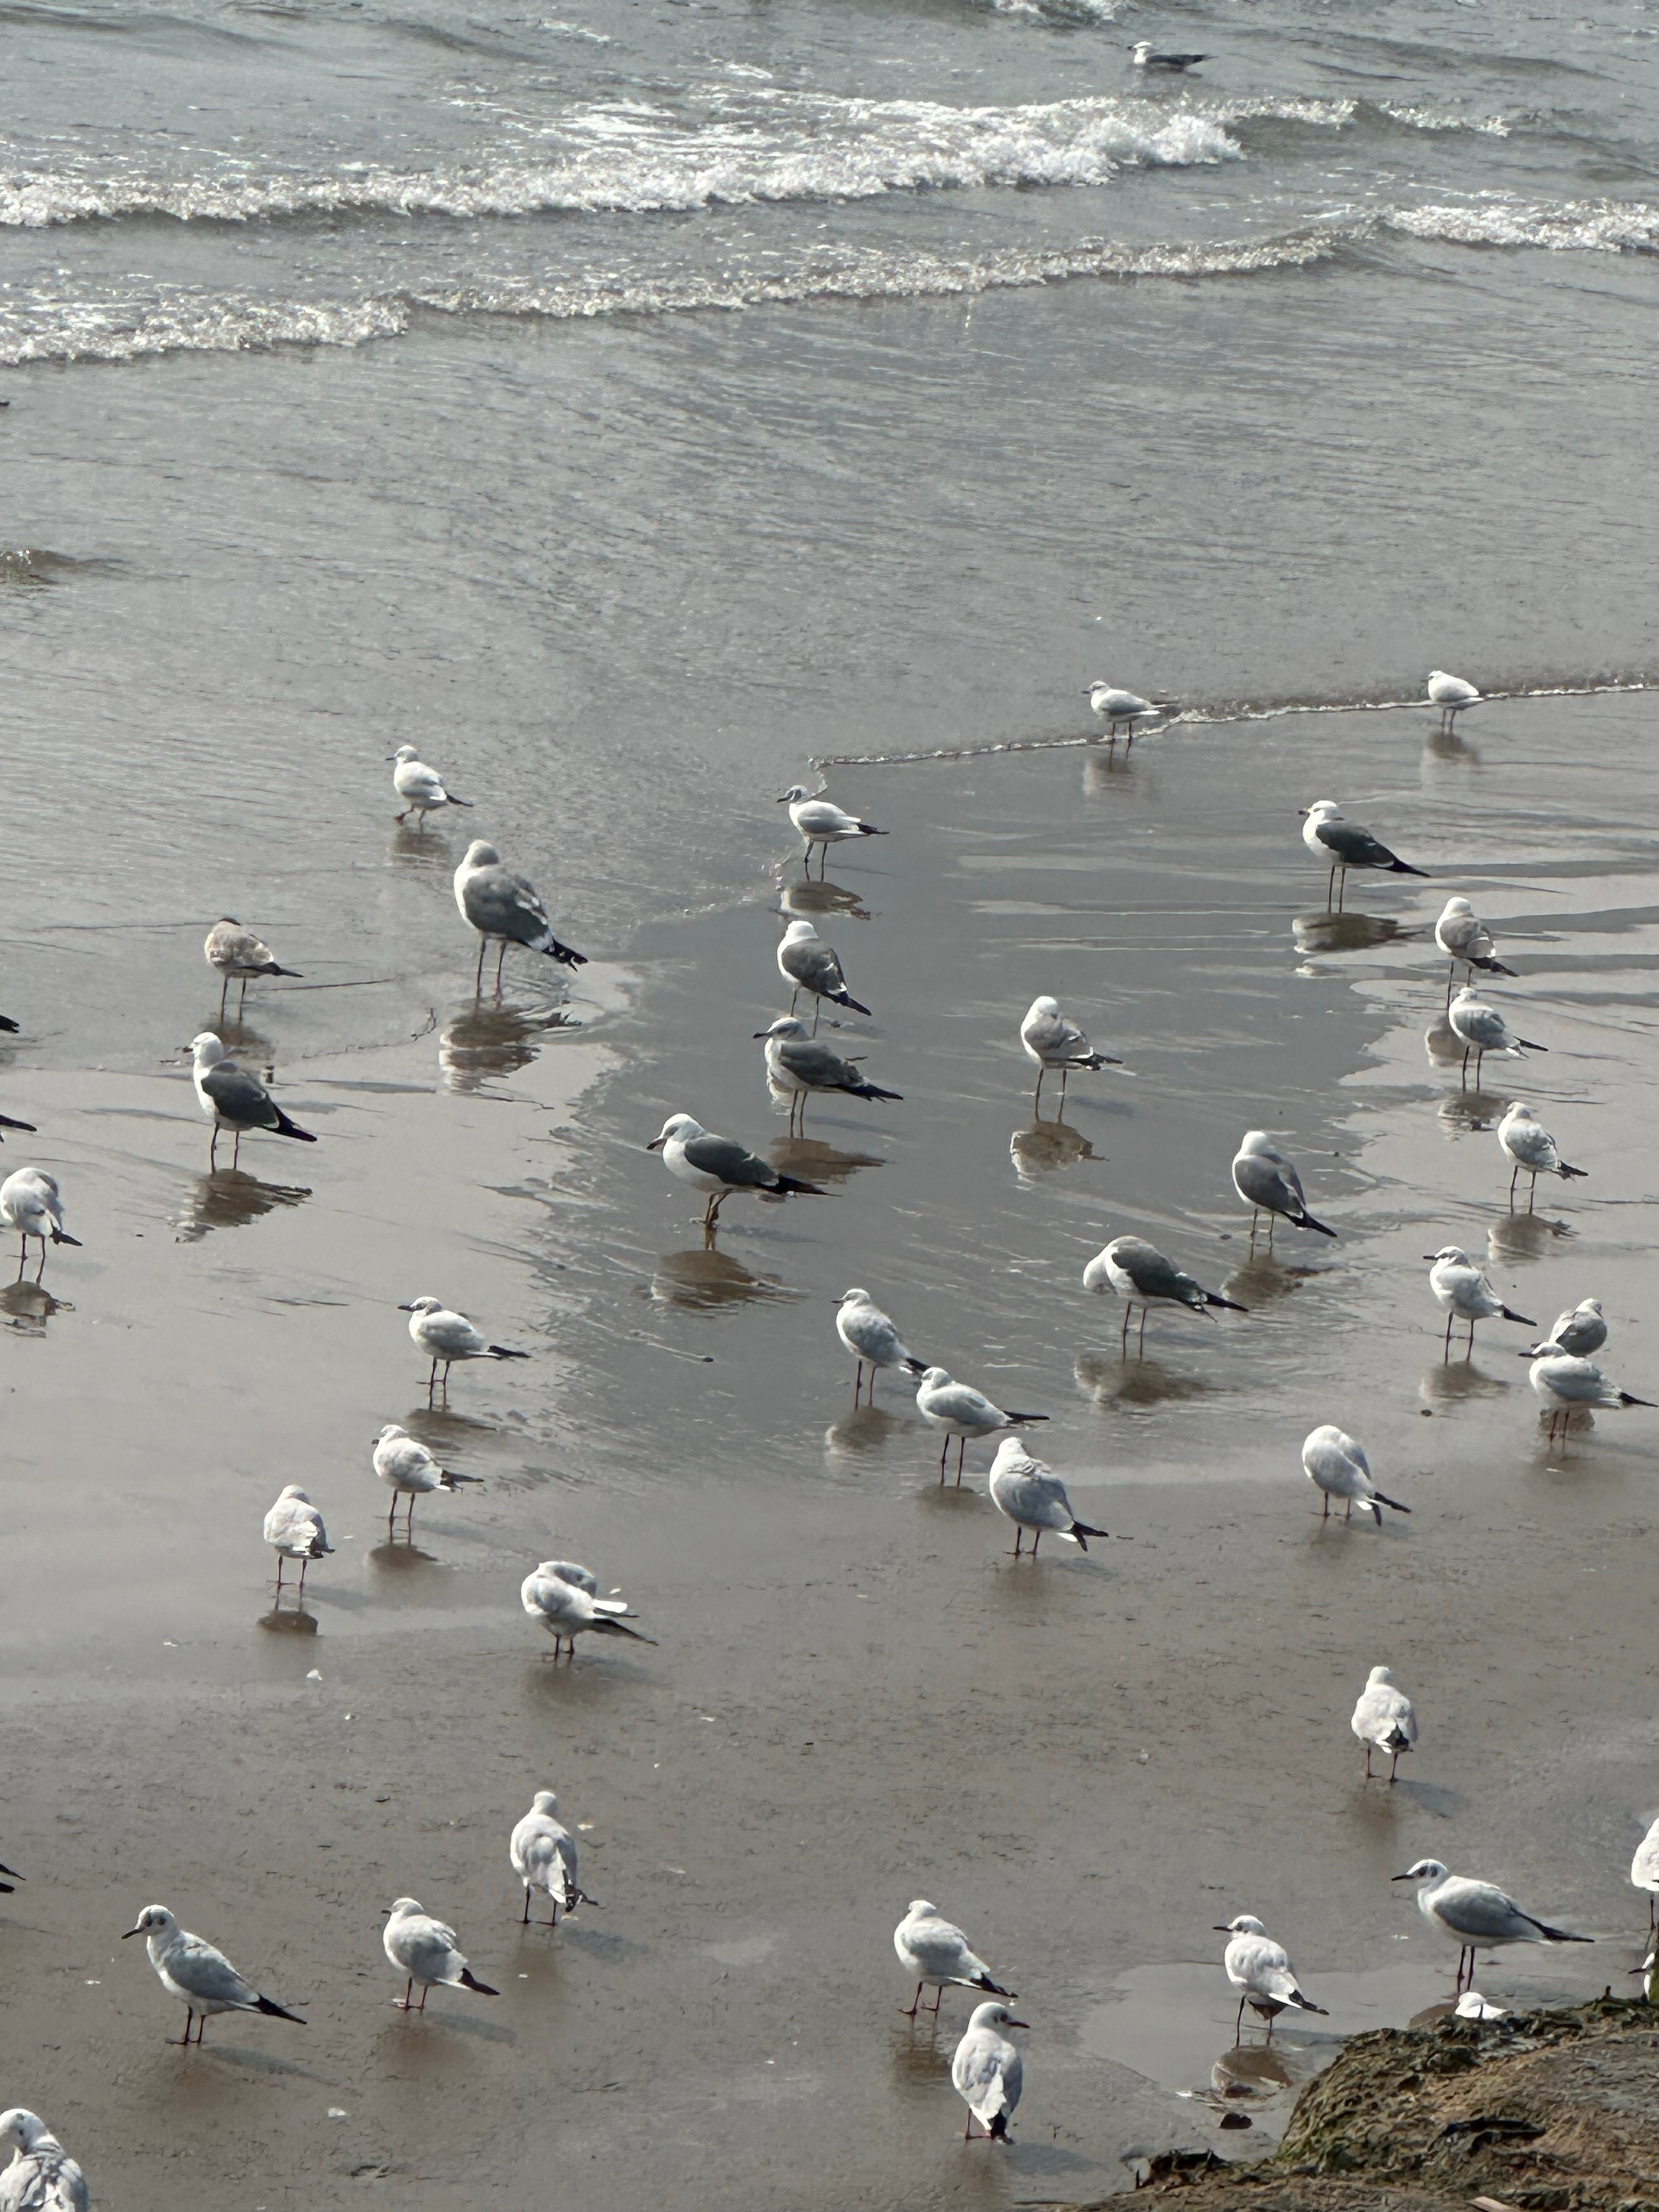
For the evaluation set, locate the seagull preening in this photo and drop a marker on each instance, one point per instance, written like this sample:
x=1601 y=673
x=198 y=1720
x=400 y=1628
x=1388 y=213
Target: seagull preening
x=869 y=1336
x=720 y=1167
x=295 y=1530
x=1531 y=1150
x=409 y=1470
x=32 y=1204
x=1269 y=1184
x=1451 y=695
x=1482 y=1029
x=42 y=2176
x=1146 y=58
x=1050 y=1040
x=936 y=1952
x=1033 y=1496
x=1336 y=1465
x=502 y=904
x=1260 y=1971
x=1477 y=1914
x=1113 y=706
x=1139 y=1273
x=799 y=1064
x=542 y=1851
x=238 y=955
x=822 y=823
x=987 y=2072
x=1578 y=1333
x=962 y=1412
x=1345 y=846
x=203 y=1979
x=234 y=1100
x=421 y=788
x=563 y=1597
x=807 y=963
x=1465 y=1294
x=1466 y=943
x=444 y=1337
x=1566 y=1383
x=1644 y=1872
x=1385 y=1719
x=429 y=1953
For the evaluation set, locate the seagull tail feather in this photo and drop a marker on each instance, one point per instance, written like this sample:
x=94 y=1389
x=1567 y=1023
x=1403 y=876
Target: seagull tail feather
x=1507 y=1316
x=1531 y=1045
x=1305 y=1220
x=1403 y=868
x=846 y=999
x=1392 y=1503
x=506 y=1351
x=1079 y=1529
x=284 y=1127
x=1295 y=1997
x=447 y=1479
x=792 y=1187
x=62 y=1236
x=1568 y=1174
x=6 y=1122
x=874 y=1091
x=1490 y=967
x=869 y=830
x=564 y=953
x=617 y=1628
x=1396 y=1739
x=1556 y=1934
x=470 y=1981
x=1013 y=1416
x=278 y=2012
x=914 y=1365
x=1215 y=1299
x=1626 y=1398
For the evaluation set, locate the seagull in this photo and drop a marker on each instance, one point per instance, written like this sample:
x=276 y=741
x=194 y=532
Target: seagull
x=1339 y=1468
x=1644 y=1872
x=936 y=1952
x=870 y=1337
x=1385 y=1719
x=1478 y=1913
x=1483 y=1030
x=796 y=1064
x=1146 y=58
x=1466 y=943
x=822 y=823
x=1532 y=1148
x=1473 y=2005
x=1033 y=1496
x=203 y=1979
x=1269 y=1184
x=238 y=955
x=1111 y=706
x=42 y=2176
x=564 y=1598
x=445 y=1337
x=1565 y=1384
x=1051 y=1041
x=1139 y=1273
x=498 y=902
x=1345 y=846
x=421 y=787
x=1465 y=1294
x=988 y=2073
x=543 y=1855
x=429 y=1953
x=235 y=1100
x=962 y=1412
x=1451 y=695
x=721 y=1168
x=807 y=963
x=1578 y=1333
x=32 y=1204
x=1260 y=1971
x=295 y=1530
x=409 y=1470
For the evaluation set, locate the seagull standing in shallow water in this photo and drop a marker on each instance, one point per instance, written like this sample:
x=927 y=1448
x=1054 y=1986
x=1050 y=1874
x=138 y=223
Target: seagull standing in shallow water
x=1451 y=695
x=421 y=788
x=429 y=1953
x=499 y=903
x=1577 y=1333
x=962 y=1412
x=1385 y=1719
x=1033 y=1496
x=721 y=1167
x=32 y=1204
x=1262 y=1971
x=987 y=2072
x=542 y=1851
x=1335 y=1464
x=936 y=1952
x=1483 y=1029
x=564 y=1598
x=822 y=823
x=1531 y=1149
x=807 y=963
x=409 y=1470
x=445 y=1337
x=1268 y=1183
x=1345 y=846
x=1139 y=1273
x=1564 y=1384
x=869 y=1336
x=295 y=1530
x=1464 y=1293
x=237 y=955
x=235 y=1099
x=1050 y=1039
x=799 y=1064
x=1112 y=707
x=1476 y=1913
x=1466 y=943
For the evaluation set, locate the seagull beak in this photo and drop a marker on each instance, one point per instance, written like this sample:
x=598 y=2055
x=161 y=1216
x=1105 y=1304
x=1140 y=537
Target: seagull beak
x=656 y=1144
x=759 y=1034
x=125 y=1932
x=1430 y=1255
x=1301 y=813
x=1221 y=1929
x=1022 y=2023
x=783 y=802
x=1400 y=1877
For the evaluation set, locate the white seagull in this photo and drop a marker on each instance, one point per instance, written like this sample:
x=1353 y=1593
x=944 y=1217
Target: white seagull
x=1464 y=1293
x=1338 y=1466
x=1033 y=1496
x=807 y=963
x=1530 y=1149
x=444 y=1336
x=1346 y=845
x=869 y=1334
x=429 y=1953
x=1112 y=705
x=1268 y=1183
x=1579 y=1331
x=1477 y=1914
x=987 y=2072
x=421 y=788
x=499 y=903
x=936 y=1952
x=543 y=1855
x=721 y=1167
x=32 y=1204
x=238 y=955
x=295 y=1530
x=1385 y=1719
x=799 y=1064
x=1466 y=943
x=564 y=1598
x=1260 y=1971
x=1482 y=1029
x=1644 y=1872
x=962 y=1412
x=1451 y=695
x=203 y=1979
x=822 y=823
x=1146 y=58
x=233 y=1099
x=409 y=1470
x=1051 y=1040
x=1139 y=1273
x=1566 y=1383
x=42 y=2176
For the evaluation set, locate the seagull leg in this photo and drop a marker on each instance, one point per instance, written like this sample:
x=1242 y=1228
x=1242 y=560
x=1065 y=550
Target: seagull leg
x=1018 y=1532
x=1514 y=1178
x=403 y=2003
x=1123 y=1334
x=943 y=1450
x=1393 y=1770
x=242 y=1000
x=1368 y=1760
x=500 y=962
x=42 y=1269
x=213 y=1146
x=279 y=1577
x=1330 y=893
x=1469 y=1353
x=304 y=1563
x=1341 y=901
x=1326 y=1515
x=818 y=1008
x=236 y=1152
x=190 y=2018
x=1140 y=1342
x=1036 y=1540
x=870 y=1395
x=1449 y=1330
x=224 y=992
x=477 y=980
x=1238 y=2024
x=911 y=2010
x=432 y=1380
x=527 y=1906
x=1532 y=1200
x=962 y=1449
x=1063 y=1074
x=858 y=1383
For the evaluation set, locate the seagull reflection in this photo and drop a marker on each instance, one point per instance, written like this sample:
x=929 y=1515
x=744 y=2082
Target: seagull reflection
x=401 y=1555
x=1449 y=1386
x=289 y=1620
x=1445 y=746
x=1516 y=1237
x=1344 y=933
x=864 y=1430
x=1044 y=1146
x=1465 y=1112
x=230 y=1199
x=813 y=1161
x=30 y=1306
x=806 y=899
x=1441 y=1044
x=1262 y=1279
x=1132 y=1383
x=1106 y=767
x=420 y=845
x=1258 y=2070
x=710 y=1278
x=482 y=1040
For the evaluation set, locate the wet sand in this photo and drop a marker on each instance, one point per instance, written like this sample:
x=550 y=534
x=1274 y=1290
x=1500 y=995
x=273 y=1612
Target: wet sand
x=856 y=1697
